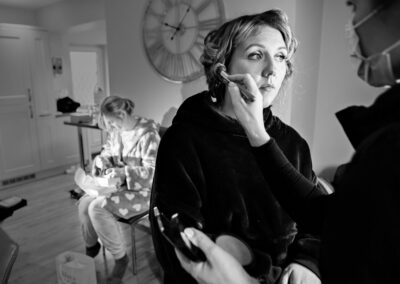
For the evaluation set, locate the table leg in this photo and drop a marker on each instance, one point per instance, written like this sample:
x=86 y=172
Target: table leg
x=78 y=192
x=80 y=143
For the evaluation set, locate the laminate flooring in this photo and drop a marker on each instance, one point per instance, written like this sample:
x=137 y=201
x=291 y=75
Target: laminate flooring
x=49 y=225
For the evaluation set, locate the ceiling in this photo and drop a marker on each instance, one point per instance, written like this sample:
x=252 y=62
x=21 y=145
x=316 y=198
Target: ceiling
x=28 y=4
x=93 y=33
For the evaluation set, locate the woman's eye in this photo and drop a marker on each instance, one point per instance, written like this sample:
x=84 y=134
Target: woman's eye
x=281 y=57
x=255 y=55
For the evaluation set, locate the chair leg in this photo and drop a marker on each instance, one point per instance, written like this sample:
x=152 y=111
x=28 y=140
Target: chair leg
x=105 y=261
x=133 y=250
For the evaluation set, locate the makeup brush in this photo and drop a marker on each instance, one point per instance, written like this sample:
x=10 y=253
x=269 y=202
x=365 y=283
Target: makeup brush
x=246 y=95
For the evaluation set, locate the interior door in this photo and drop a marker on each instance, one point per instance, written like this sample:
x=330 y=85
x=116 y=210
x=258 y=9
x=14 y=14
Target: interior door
x=43 y=90
x=57 y=142
x=18 y=139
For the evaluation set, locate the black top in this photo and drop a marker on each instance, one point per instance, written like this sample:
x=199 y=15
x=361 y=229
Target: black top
x=205 y=169
x=360 y=222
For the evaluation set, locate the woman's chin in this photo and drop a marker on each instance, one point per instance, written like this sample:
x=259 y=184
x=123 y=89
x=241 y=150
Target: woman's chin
x=268 y=98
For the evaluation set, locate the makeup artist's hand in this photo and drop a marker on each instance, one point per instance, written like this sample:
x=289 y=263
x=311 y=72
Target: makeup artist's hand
x=220 y=267
x=249 y=114
x=295 y=273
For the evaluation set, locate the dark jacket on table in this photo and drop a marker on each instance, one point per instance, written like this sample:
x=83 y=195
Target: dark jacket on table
x=360 y=222
x=205 y=169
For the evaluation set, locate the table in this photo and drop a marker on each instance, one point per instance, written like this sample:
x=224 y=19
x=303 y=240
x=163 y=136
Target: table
x=79 y=126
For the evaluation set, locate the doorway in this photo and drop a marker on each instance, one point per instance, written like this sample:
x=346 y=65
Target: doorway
x=88 y=69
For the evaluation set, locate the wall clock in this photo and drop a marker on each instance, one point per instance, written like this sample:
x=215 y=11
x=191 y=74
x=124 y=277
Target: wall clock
x=173 y=35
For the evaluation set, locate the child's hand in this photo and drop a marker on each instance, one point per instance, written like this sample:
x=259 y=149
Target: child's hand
x=100 y=164
x=115 y=173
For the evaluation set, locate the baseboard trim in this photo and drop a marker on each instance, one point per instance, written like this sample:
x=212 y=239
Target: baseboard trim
x=37 y=176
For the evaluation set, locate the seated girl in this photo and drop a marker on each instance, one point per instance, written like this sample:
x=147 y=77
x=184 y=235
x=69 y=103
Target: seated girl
x=129 y=154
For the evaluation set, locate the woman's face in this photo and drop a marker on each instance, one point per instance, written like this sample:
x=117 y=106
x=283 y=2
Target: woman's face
x=263 y=56
x=118 y=123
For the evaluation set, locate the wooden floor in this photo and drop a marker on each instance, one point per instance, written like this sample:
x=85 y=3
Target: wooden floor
x=49 y=225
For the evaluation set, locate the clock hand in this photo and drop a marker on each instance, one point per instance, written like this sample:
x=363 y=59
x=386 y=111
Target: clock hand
x=187 y=11
x=168 y=25
x=180 y=23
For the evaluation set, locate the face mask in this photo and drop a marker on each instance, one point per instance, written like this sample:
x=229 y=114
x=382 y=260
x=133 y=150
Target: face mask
x=376 y=70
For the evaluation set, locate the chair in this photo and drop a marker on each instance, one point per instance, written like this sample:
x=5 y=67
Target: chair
x=8 y=255
x=133 y=222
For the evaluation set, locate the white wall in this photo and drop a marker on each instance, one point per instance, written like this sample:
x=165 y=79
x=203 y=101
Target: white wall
x=307 y=28
x=338 y=87
x=17 y=16
x=71 y=23
x=62 y=83
x=93 y=33
x=132 y=76
x=63 y=15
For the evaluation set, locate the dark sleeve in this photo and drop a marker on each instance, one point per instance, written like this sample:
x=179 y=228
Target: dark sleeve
x=305 y=248
x=299 y=196
x=177 y=188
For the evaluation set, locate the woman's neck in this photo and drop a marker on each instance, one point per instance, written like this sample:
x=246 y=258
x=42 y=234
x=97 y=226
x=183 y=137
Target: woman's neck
x=227 y=108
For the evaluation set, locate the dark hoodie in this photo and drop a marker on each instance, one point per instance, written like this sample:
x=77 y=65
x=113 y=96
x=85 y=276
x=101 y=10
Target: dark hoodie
x=360 y=223
x=205 y=169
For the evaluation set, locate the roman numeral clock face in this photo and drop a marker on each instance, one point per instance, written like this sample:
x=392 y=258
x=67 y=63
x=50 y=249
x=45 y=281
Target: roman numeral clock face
x=174 y=32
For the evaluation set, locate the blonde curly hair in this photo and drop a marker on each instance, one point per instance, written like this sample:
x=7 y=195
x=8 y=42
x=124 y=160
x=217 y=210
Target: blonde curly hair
x=220 y=44
x=113 y=106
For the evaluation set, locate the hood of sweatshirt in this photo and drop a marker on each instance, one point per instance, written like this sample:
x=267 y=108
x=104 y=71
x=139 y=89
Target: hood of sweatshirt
x=142 y=127
x=200 y=110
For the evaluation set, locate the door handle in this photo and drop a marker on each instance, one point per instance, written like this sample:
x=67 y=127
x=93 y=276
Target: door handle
x=29 y=95
x=30 y=102
x=30 y=110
